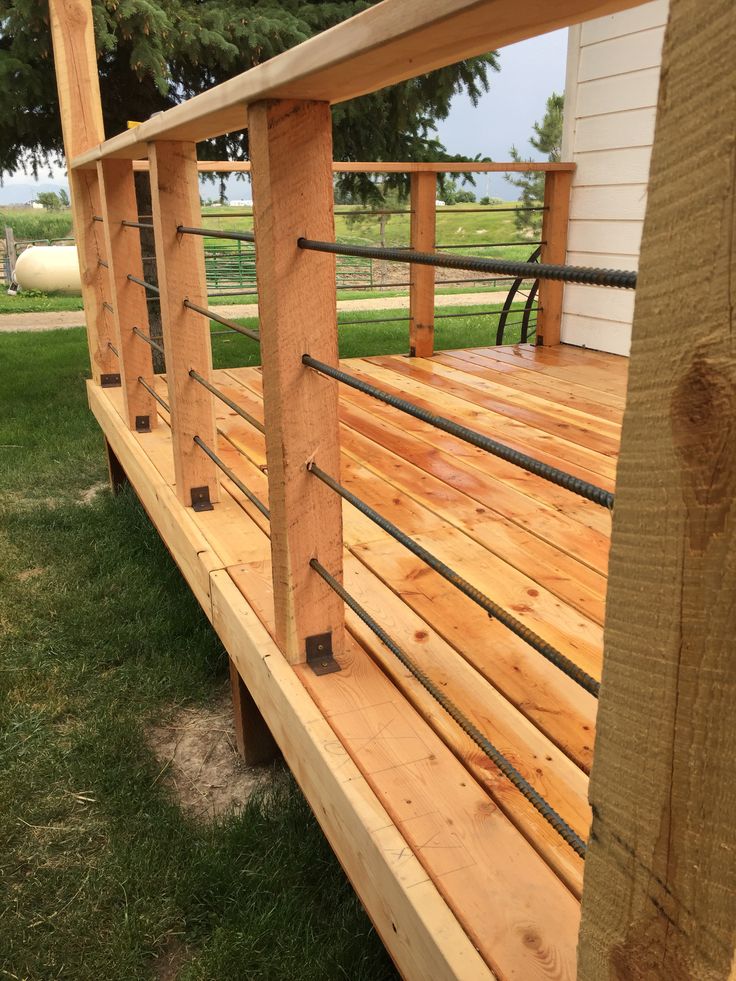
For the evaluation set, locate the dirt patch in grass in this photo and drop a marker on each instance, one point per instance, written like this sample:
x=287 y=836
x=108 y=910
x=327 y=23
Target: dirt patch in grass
x=200 y=760
x=87 y=496
x=27 y=574
x=171 y=960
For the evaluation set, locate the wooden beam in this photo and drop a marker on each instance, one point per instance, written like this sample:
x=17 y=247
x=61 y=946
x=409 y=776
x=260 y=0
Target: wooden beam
x=557 y=187
x=421 y=291
x=80 y=108
x=291 y=147
x=181 y=274
x=388 y=43
x=123 y=248
x=659 y=899
x=386 y=167
x=253 y=737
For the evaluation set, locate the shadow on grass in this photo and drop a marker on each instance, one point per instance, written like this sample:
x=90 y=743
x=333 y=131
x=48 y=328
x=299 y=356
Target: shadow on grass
x=103 y=875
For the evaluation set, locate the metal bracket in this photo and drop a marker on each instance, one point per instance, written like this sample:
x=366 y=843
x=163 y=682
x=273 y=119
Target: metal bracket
x=143 y=424
x=201 y=499
x=319 y=654
x=110 y=381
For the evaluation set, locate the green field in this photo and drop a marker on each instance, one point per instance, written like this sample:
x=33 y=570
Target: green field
x=104 y=875
x=29 y=223
x=453 y=228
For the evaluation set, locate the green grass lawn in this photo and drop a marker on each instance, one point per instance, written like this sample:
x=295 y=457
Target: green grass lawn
x=102 y=872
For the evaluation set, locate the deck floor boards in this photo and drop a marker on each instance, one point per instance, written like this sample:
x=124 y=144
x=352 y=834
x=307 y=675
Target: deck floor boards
x=536 y=549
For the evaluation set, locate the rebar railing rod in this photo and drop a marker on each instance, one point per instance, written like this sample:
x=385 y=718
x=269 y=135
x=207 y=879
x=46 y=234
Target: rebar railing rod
x=136 y=224
x=484 y=744
x=149 y=341
x=588 y=276
x=152 y=392
x=228 y=401
x=541 y=646
x=236 y=480
x=559 y=477
x=144 y=284
x=216 y=233
x=206 y=312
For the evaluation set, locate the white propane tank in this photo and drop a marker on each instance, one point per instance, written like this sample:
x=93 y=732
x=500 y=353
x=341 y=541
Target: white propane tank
x=49 y=269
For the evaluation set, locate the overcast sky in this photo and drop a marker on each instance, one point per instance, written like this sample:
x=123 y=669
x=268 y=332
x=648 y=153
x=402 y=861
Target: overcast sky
x=530 y=72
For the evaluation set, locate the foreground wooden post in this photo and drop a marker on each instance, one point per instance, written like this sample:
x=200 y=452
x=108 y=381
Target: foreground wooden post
x=659 y=899
x=130 y=309
x=557 y=186
x=421 y=291
x=81 y=123
x=181 y=273
x=291 y=151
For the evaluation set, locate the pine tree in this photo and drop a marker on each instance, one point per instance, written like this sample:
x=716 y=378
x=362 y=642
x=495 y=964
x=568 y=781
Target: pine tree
x=547 y=139
x=154 y=53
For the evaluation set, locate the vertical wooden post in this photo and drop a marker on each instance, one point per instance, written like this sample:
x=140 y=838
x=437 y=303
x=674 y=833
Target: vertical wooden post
x=123 y=248
x=252 y=735
x=11 y=253
x=421 y=291
x=291 y=152
x=181 y=274
x=659 y=897
x=557 y=186
x=78 y=84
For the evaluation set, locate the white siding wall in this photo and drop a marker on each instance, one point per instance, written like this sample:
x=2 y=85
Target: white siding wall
x=610 y=104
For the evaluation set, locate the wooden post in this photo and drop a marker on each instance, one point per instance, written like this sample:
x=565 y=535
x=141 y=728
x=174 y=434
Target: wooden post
x=253 y=737
x=11 y=253
x=181 y=274
x=659 y=897
x=421 y=291
x=130 y=309
x=78 y=84
x=291 y=152
x=557 y=186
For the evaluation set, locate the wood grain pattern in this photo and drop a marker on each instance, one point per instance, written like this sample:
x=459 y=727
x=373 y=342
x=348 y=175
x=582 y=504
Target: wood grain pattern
x=181 y=273
x=123 y=249
x=396 y=40
x=291 y=150
x=253 y=737
x=554 y=251
x=421 y=291
x=478 y=842
x=80 y=108
x=660 y=882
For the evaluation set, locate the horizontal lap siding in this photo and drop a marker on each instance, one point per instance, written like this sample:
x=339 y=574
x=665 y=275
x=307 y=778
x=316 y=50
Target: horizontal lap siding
x=610 y=110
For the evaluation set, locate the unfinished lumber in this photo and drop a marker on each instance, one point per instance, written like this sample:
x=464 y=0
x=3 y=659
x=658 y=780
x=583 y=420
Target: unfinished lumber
x=660 y=883
x=421 y=291
x=78 y=86
x=130 y=309
x=181 y=273
x=557 y=185
x=388 y=43
x=291 y=151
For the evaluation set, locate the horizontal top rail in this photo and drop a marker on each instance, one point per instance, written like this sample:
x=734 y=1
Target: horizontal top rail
x=394 y=166
x=386 y=44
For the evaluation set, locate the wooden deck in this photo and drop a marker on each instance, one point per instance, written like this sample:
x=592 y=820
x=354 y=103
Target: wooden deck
x=455 y=851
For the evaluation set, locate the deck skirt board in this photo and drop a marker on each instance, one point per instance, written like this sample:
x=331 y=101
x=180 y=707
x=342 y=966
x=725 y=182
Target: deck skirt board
x=486 y=863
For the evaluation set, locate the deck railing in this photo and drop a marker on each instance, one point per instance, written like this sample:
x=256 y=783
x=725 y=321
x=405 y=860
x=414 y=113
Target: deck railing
x=292 y=172
x=295 y=250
